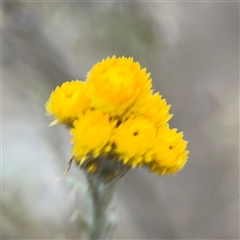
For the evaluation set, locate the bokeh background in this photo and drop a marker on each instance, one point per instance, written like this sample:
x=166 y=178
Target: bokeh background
x=192 y=51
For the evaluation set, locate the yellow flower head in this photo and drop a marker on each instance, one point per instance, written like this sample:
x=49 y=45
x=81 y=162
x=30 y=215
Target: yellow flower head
x=156 y=109
x=153 y=108
x=92 y=134
x=133 y=139
x=68 y=101
x=170 y=154
x=116 y=84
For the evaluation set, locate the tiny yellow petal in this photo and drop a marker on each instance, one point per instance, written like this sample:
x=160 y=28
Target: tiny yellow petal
x=53 y=123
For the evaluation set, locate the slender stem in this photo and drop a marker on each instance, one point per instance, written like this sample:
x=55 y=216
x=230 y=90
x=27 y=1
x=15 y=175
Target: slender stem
x=101 y=195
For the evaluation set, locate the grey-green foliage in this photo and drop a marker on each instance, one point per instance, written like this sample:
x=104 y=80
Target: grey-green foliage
x=46 y=43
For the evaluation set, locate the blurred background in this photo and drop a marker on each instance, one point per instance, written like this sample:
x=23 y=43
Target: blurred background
x=192 y=52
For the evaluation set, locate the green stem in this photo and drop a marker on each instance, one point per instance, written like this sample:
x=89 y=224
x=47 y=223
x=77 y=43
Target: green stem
x=101 y=194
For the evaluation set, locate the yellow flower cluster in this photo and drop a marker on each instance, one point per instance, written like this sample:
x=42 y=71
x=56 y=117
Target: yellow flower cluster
x=114 y=112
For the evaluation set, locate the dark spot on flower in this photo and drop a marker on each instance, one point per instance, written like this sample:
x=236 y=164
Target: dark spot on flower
x=170 y=147
x=135 y=133
x=68 y=95
x=118 y=123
